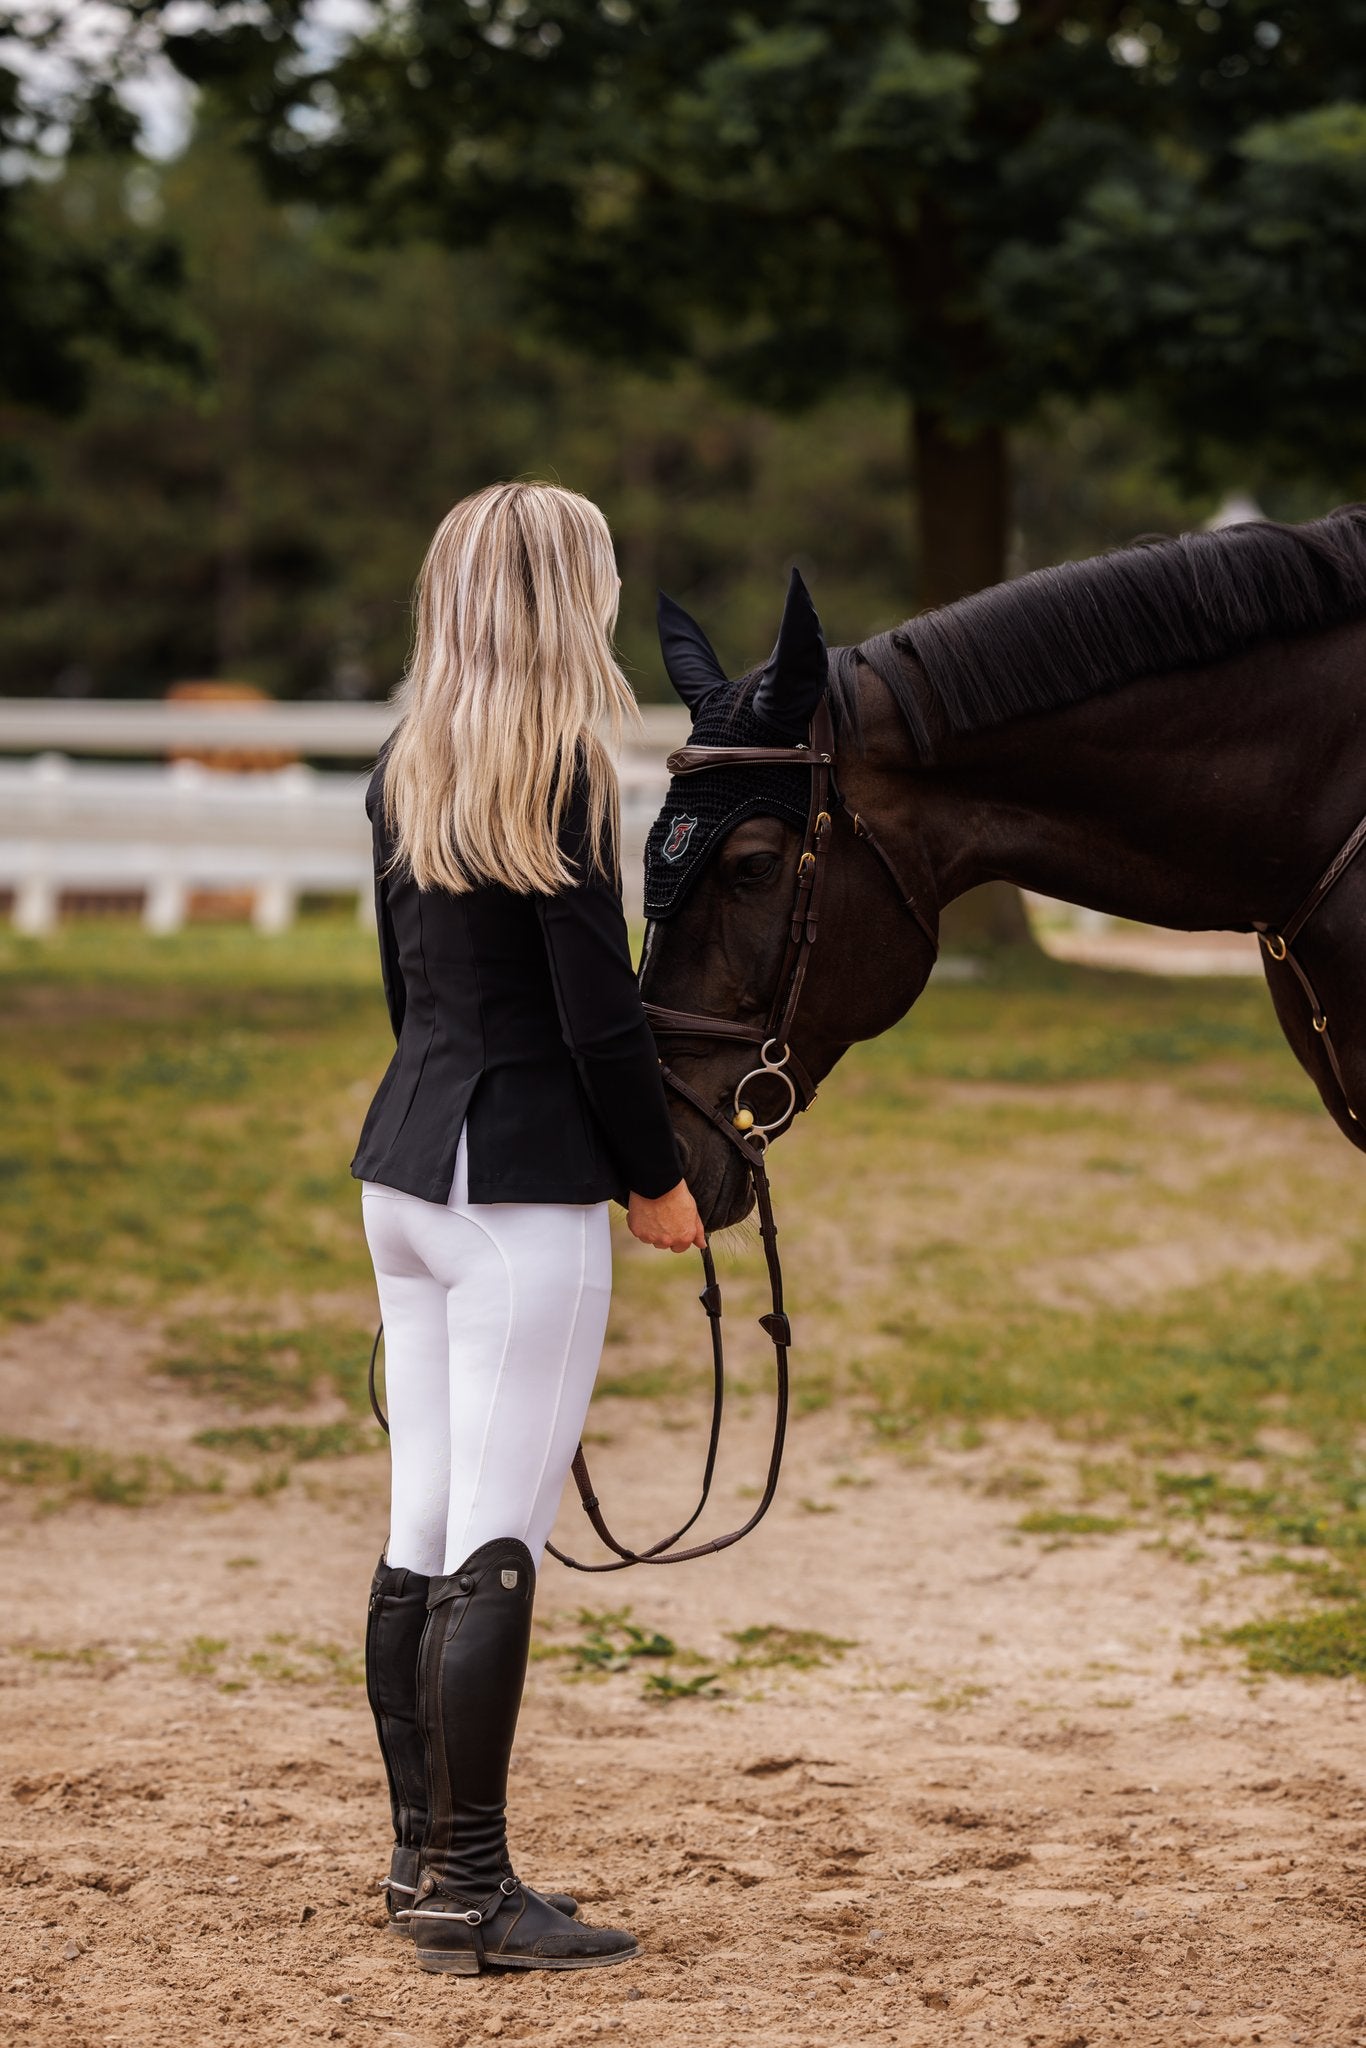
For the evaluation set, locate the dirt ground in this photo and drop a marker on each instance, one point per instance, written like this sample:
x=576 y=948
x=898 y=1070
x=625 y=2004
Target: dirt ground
x=1026 y=1806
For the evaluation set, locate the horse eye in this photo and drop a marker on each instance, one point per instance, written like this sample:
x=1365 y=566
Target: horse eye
x=755 y=867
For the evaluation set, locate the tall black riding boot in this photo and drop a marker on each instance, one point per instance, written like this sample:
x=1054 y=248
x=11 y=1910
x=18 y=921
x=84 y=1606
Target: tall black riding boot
x=469 y=1909
x=393 y=1637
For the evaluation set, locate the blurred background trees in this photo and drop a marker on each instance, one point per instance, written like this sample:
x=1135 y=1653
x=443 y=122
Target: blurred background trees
x=919 y=292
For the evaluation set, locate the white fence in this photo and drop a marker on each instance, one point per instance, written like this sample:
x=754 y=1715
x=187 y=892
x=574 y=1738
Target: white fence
x=166 y=832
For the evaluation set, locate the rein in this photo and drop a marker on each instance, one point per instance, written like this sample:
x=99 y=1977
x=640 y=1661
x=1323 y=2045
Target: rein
x=741 y=1128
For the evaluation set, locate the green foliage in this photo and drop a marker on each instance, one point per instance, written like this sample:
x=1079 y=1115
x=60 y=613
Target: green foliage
x=255 y=1366
x=666 y=1685
x=978 y=212
x=104 y=279
x=200 y=1656
x=74 y=1472
x=611 y=1641
x=1054 y=1522
x=1327 y=1645
x=295 y=1440
x=176 y=1116
x=765 y=1646
x=1236 y=302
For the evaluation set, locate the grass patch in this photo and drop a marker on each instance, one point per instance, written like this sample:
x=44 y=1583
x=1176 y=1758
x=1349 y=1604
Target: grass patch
x=201 y=1656
x=290 y=1661
x=610 y=1642
x=764 y=1648
x=1055 y=1522
x=286 y=1660
x=1327 y=1645
x=72 y=1472
x=259 y=1367
x=298 y=1441
x=665 y=1685
x=956 y=1699
x=180 y=1112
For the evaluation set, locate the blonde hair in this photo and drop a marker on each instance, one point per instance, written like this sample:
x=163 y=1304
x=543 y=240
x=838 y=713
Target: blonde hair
x=511 y=676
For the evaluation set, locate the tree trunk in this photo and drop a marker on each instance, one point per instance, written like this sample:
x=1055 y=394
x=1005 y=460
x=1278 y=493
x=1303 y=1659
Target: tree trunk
x=962 y=485
x=963 y=519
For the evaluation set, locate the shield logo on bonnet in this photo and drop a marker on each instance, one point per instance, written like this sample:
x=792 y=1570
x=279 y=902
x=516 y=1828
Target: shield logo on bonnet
x=676 y=842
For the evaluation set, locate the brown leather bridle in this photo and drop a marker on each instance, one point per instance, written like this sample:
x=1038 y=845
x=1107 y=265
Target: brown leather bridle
x=1278 y=941
x=740 y=1128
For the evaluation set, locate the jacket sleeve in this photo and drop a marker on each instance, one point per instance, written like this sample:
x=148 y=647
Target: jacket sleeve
x=390 y=967
x=391 y=971
x=602 y=1017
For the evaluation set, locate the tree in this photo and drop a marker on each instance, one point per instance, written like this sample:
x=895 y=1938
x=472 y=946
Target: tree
x=59 y=100
x=977 y=204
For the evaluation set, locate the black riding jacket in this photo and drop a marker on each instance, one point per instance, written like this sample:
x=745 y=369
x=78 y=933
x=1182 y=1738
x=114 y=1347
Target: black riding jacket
x=520 y=1016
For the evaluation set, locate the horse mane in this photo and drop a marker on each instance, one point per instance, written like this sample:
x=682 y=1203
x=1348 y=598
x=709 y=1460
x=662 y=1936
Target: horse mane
x=1061 y=635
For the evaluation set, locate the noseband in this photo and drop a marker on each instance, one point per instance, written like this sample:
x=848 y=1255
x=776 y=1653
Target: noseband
x=741 y=1127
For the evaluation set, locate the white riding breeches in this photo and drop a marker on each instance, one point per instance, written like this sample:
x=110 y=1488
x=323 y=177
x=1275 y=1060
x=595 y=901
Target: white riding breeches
x=493 y=1325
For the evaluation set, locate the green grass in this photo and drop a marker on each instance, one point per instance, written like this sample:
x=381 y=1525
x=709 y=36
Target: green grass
x=293 y=1440
x=1050 y=1522
x=255 y=1366
x=286 y=1660
x=609 y=1642
x=1330 y=1644
x=73 y=1472
x=179 y=1114
x=764 y=1647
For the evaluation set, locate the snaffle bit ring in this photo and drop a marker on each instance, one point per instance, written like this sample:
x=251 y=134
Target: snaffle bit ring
x=744 y=1119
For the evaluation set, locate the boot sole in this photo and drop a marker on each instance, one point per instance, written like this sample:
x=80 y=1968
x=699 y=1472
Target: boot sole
x=464 y=1962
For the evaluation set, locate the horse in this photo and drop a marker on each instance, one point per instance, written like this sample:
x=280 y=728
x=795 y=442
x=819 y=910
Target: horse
x=1173 y=733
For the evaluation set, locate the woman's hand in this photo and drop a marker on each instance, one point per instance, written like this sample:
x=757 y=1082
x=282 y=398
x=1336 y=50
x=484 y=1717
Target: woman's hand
x=669 y=1222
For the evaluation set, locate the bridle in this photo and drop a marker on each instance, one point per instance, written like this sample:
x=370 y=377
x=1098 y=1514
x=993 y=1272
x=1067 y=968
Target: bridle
x=741 y=1127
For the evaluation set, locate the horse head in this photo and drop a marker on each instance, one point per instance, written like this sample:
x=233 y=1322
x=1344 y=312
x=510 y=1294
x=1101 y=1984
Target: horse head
x=774 y=941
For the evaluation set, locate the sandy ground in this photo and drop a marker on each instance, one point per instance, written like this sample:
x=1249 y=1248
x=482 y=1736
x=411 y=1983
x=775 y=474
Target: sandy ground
x=1026 y=1806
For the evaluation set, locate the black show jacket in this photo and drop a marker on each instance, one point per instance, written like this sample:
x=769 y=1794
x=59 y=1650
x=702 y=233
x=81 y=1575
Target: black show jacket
x=520 y=1016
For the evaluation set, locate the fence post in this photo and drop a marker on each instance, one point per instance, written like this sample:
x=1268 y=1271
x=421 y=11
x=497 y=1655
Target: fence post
x=164 y=906
x=35 y=906
x=273 y=906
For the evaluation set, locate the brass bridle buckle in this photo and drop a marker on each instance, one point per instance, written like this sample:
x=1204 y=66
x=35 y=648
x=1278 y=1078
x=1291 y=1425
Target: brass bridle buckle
x=744 y=1119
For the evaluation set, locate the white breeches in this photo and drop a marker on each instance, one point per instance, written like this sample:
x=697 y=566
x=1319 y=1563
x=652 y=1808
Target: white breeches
x=493 y=1324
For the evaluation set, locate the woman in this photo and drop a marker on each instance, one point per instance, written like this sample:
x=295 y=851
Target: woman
x=524 y=1092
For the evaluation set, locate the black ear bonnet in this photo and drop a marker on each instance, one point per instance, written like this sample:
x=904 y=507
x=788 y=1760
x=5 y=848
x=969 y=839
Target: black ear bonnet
x=774 y=712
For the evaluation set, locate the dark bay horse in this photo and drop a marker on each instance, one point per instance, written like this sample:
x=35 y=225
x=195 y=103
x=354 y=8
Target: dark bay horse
x=1175 y=733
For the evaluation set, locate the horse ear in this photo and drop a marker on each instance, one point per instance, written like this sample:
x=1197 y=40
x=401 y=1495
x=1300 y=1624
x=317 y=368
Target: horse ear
x=690 y=660
x=794 y=678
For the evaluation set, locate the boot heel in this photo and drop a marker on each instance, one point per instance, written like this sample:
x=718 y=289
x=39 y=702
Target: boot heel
x=448 y=1962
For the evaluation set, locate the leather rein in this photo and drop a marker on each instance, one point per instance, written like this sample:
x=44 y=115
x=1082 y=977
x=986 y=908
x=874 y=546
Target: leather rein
x=740 y=1127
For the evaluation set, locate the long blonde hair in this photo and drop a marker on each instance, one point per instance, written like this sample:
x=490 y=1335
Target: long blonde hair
x=511 y=677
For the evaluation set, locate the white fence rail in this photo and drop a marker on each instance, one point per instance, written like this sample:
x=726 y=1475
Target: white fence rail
x=164 y=833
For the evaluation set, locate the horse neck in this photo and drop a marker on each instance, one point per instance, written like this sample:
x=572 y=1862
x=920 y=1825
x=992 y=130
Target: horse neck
x=1201 y=799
